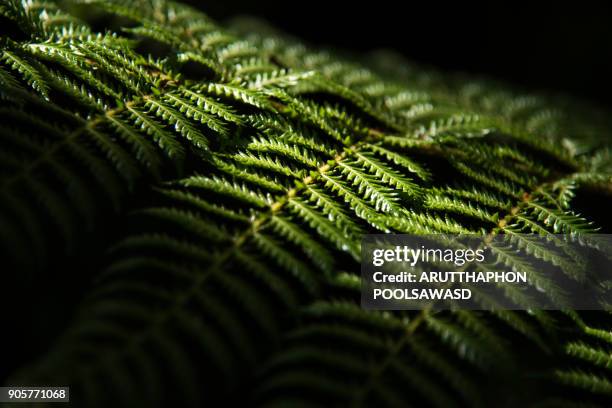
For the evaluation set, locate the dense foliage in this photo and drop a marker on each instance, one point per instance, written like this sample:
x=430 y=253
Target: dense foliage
x=217 y=182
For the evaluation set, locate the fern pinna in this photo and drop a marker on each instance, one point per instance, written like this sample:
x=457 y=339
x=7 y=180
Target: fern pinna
x=241 y=171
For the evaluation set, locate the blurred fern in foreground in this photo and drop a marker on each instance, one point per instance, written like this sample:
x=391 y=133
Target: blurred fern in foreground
x=251 y=166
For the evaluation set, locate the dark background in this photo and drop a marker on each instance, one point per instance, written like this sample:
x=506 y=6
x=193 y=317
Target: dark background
x=546 y=46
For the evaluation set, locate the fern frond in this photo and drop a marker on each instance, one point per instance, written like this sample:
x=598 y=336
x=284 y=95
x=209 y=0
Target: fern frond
x=386 y=174
x=454 y=205
x=239 y=173
x=326 y=226
x=381 y=197
x=31 y=73
x=402 y=160
x=150 y=127
x=561 y=222
x=227 y=188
